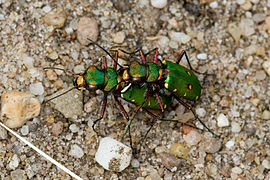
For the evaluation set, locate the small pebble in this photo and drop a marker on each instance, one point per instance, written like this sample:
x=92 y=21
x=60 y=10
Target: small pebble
x=159 y=3
x=229 y=144
x=18 y=107
x=260 y=75
x=237 y=170
x=169 y=161
x=14 y=162
x=212 y=145
x=192 y=138
x=51 y=75
x=235 y=127
x=90 y=106
x=119 y=37
x=112 y=155
x=3 y=133
x=25 y=130
x=76 y=151
x=2 y=17
x=74 y=128
x=235 y=31
x=87 y=28
x=266 y=115
x=36 y=88
x=266 y=67
x=53 y=55
x=202 y=56
x=240 y=2
x=213 y=4
x=57 y=128
x=222 y=121
x=260 y=17
x=247 y=27
x=179 y=37
x=56 y=18
x=179 y=150
x=163 y=41
x=135 y=163
x=267 y=23
x=18 y=174
x=266 y=164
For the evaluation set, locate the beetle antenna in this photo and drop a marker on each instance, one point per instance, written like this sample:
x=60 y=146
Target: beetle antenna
x=95 y=43
x=60 y=95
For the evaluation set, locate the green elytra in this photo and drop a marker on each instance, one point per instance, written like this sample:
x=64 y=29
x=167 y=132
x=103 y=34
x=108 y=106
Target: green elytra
x=182 y=81
x=136 y=94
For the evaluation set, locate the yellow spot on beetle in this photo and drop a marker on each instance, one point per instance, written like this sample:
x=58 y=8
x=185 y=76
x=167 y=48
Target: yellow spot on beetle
x=166 y=85
x=174 y=90
x=133 y=100
x=185 y=94
x=164 y=62
x=122 y=95
x=188 y=73
x=197 y=97
x=190 y=86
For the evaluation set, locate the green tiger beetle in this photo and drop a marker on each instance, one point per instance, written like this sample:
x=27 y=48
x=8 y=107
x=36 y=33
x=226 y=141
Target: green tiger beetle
x=177 y=79
x=142 y=84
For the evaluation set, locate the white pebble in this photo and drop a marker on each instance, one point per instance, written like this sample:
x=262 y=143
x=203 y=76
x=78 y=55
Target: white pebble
x=192 y=138
x=202 y=56
x=266 y=67
x=201 y=112
x=237 y=170
x=79 y=69
x=76 y=151
x=236 y=127
x=119 y=37
x=229 y=144
x=213 y=4
x=36 y=88
x=74 y=128
x=14 y=162
x=222 y=121
x=266 y=164
x=240 y=2
x=159 y=3
x=46 y=9
x=179 y=37
x=25 y=130
x=163 y=41
x=113 y=155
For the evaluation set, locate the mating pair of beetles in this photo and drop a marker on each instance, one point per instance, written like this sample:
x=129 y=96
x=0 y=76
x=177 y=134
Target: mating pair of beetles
x=142 y=83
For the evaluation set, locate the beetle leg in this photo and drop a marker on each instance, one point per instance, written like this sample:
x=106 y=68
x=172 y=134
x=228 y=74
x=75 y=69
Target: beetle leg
x=102 y=111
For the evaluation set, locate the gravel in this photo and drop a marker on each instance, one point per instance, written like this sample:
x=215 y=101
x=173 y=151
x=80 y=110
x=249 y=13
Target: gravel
x=227 y=38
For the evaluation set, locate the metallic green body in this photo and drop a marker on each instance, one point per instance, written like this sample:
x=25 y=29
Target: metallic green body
x=111 y=77
x=179 y=80
x=136 y=95
x=137 y=70
x=153 y=72
x=94 y=76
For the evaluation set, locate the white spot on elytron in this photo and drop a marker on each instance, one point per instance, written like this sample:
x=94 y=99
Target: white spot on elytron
x=185 y=94
x=165 y=106
x=126 y=88
x=133 y=100
x=166 y=85
x=122 y=95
